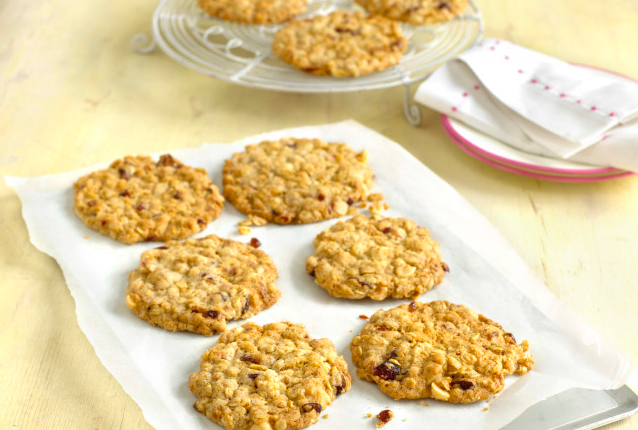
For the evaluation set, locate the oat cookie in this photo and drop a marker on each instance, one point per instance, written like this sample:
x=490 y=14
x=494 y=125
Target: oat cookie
x=296 y=181
x=376 y=257
x=254 y=11
x=416 y=12
x=137 y=199
x=268 y=378
x=342 y=44
x=200 y=284
x=437 y=350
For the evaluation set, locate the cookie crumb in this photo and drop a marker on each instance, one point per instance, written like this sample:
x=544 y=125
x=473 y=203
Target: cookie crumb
x=421 y=403
x=385 y=416
x=375 y=197
x=486 y=408
x=243 y=230
x=87 y=237
x=363 y=317
x=369 y=415
x=325 y=417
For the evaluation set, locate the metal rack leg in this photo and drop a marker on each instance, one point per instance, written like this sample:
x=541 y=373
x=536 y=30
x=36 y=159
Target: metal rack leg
x=411 y=110
x=143 y=43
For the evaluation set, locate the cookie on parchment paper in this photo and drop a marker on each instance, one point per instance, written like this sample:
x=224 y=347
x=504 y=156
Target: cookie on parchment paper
x=437 y=350
x=297 y=181
x=137 y=199
x=254 y=11
x=268 y=378
x=416 y=12
x=341 y=44
x=376 y=257
x=200 y=284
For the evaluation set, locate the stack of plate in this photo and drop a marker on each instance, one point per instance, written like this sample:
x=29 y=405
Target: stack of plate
x=505 y=157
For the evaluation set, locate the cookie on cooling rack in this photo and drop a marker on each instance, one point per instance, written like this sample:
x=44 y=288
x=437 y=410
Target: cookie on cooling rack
x=437 y=350
x=341 y=44
x=376 y=257
x=200 y=284
x=137 y=199
x=254 y=11
x=297 y=181
x=267 y=378
x=416 y=12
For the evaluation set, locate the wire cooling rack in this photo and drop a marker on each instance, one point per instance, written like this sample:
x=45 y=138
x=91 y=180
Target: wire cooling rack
x=241 y=53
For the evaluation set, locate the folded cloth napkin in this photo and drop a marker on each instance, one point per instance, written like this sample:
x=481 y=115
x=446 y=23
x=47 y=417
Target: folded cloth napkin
x=539 y=104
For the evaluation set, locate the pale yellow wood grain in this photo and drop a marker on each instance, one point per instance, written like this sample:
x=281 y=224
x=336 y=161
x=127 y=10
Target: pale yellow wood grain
x=72 y=94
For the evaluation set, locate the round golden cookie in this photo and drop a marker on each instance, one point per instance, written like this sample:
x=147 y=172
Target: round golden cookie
x=200 y=284
x=297 y=181
x=376 y=257
x=267 y=378
x=254 y=11
x=137 y=199
x=416 y=12
x=437 y=350
x=341 y=44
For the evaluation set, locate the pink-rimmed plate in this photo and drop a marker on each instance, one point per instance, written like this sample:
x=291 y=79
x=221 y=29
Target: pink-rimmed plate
x=505 y=157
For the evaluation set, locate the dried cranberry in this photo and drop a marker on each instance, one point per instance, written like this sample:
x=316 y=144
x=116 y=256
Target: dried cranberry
x=346 y=30
x=387 y=230
x=310 y=69
x=253 y=376
x=141 y=207
x=162 y=247
x=91 y=203
x=310 y=406
x=201 y=221
x=363 y=317
x=124 y=174
x=412 y=306
x=385 y=415
x=232 y=271
x=103 y=222
x=444 y=5
x=387 y=371
x=167 y=160
x=212 y=314
x=382 y=328
x=177 y=196
x=350 y=201
x=464 y=385
x=392 y=354
x=511 y=336
x=340 y=388
x=246 y=307
x=321 y=197
x=255 y=243
x=312 y=273
x=445 y=267
x=285 y=219
x=248 y=359
x=397 y=43
x=151 y=238
x=125 y=193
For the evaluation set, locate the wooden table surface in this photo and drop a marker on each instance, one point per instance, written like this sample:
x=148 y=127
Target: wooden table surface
x=72 y=93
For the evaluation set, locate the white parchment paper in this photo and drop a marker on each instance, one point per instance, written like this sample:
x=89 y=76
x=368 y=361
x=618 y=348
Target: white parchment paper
x=486 y=274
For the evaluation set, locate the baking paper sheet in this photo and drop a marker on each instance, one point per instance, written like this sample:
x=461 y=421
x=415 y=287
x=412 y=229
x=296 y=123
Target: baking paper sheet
x=153 y=364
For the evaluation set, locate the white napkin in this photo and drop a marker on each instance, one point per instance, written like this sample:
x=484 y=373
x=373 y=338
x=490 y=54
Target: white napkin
x=539 y=104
